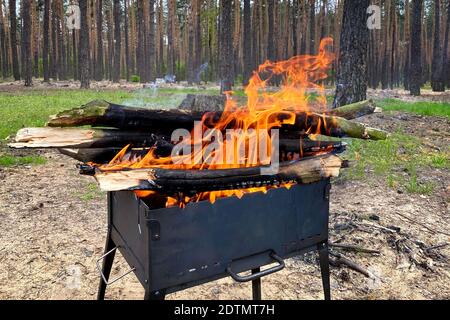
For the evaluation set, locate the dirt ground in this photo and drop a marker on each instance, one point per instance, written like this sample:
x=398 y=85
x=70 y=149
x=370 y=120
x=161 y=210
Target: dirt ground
x=53 y=226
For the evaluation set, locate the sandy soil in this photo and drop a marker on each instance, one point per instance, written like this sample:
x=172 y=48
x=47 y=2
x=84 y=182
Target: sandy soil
x=53 y=230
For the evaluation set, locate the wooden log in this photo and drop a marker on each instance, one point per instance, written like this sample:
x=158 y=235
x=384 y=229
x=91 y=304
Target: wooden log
x=84 y=138
x=310 y=146
x=354 y=110
x=105 y=114
x=307 y=170
x=333 y=126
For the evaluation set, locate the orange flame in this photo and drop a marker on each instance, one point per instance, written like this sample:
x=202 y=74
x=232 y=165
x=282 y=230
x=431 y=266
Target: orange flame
x=265 y=109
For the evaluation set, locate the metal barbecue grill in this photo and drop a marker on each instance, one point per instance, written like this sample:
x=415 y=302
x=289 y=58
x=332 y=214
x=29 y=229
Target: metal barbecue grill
x=171 y=249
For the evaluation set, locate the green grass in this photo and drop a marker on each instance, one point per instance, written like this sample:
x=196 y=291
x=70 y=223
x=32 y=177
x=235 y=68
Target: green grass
x=92 y=192
x=10 y=160
x=423 y=108
x=397 y=159
x=32 y=108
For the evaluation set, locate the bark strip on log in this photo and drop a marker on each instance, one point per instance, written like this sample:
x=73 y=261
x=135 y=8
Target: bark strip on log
x=307 y=170
x=84 y=138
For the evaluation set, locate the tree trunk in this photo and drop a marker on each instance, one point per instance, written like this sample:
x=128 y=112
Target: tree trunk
x=26 y=42
x=3 y=45
x=445 y=57
x=84 y=61
x=312 y=26
x=46 y=39
x=407 y=28
x=99 y=70
x=437 y=81
x=127 y=42
x=416 y=48
x=117 y=41
x=13 y=38
x=151 y=42
x=351 y=79
x=226 y=46
x=141 y=42
x=247 y=50
x=190 y=40
x=270 y=34
x=170 y=37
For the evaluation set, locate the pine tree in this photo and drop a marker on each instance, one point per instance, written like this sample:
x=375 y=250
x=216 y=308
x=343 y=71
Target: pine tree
x=351 y=78
x=226 y=46
x=415 y=71
x=84 y=61
x=247 y=42
x=437 y=81
x=26 y=43
x=117 y=41
x=13 y=38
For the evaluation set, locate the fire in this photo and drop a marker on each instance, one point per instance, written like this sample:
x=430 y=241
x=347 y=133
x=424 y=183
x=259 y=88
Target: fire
x=265 y=110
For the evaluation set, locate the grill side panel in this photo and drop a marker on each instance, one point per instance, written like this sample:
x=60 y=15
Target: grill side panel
x=199 y=242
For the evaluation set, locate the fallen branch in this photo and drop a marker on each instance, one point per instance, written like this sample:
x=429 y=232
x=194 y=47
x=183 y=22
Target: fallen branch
x=307 y=170
x=340 y=260
x=354 y=110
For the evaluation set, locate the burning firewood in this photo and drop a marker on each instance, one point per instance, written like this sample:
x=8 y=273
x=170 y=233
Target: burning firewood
x=83 y=138
x=102 y=113
x=106 y=114
x=307 y=170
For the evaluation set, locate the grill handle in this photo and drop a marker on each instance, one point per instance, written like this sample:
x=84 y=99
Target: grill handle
x=260 y=274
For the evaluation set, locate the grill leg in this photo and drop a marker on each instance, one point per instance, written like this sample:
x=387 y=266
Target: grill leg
x=106 y=266
x=325 y=269
x=256 y=286
x=157 y=295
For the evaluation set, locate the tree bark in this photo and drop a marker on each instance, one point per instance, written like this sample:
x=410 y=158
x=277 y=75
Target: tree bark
x=351 y=79
x=13 y=39
x=45 y=44
x=151 y=42
x=445 y=57
x=84 y=61
x=27 y=68
x=99 y=69
x=3 y=45
x=437 y=81
x=117 y=41
x=226 y=46
x=247 y=50
x=127 y=42
x=170 y=37
x=312 y=26
x=416 y=48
